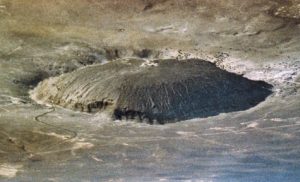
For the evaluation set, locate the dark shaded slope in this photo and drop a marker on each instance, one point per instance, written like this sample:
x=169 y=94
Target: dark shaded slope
x=160 y=91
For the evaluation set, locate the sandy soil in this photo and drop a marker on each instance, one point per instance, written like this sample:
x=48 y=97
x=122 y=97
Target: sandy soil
x=259 y=39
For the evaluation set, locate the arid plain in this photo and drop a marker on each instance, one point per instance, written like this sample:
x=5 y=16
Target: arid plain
x=259 y=40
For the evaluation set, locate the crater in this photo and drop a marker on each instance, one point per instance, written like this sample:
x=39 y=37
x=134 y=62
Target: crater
x=159 y=91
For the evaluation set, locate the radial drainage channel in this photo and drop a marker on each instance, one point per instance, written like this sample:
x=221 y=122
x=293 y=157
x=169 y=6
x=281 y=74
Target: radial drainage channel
x=160 y=91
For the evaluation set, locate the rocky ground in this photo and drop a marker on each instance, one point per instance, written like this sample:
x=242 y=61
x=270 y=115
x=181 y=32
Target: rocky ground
x=257 y=39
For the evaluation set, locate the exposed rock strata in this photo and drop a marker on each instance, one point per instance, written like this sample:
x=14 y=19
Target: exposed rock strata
x=158 y=91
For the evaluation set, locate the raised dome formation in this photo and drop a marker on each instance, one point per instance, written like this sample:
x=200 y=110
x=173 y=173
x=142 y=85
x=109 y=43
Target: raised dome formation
x=158 y=91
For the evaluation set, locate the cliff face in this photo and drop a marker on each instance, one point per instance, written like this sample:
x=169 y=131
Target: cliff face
x=159 y=91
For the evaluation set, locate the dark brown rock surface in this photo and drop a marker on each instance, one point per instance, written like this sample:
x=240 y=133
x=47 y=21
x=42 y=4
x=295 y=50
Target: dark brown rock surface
x=159 y=91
